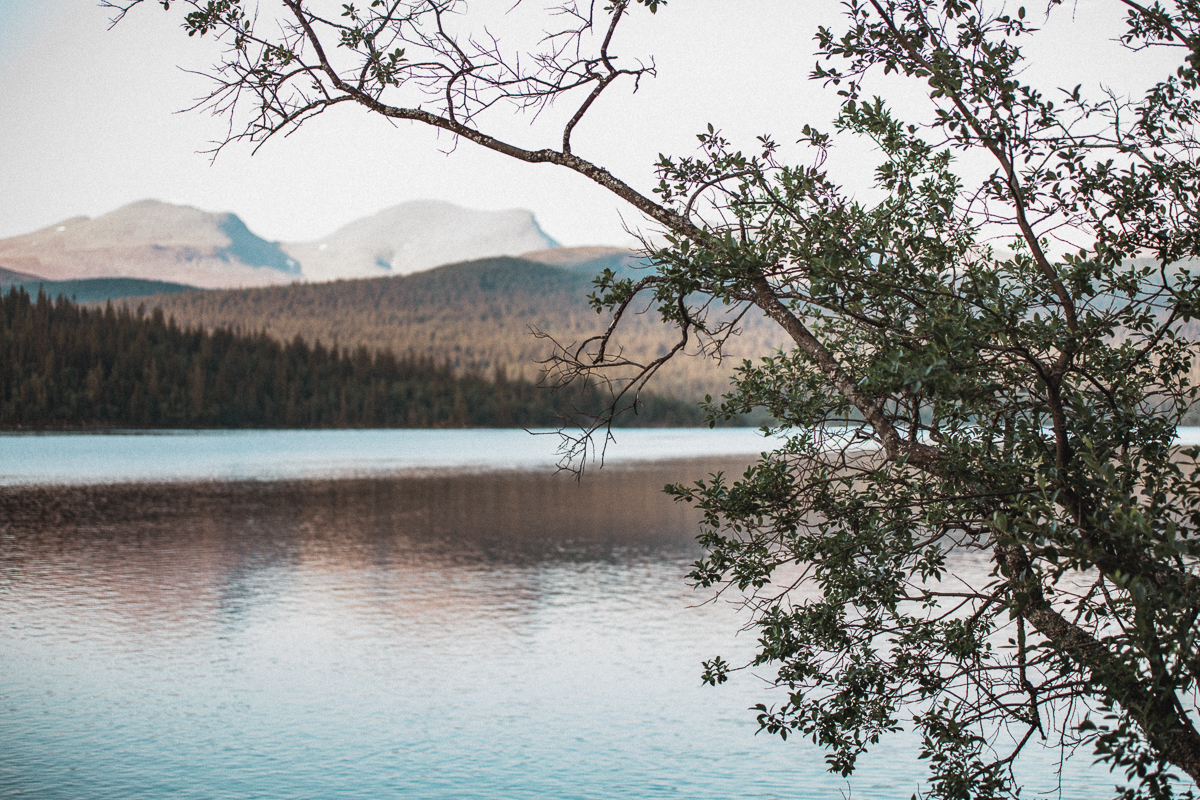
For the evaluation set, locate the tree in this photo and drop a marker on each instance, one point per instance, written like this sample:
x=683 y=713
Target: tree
x=979 y=525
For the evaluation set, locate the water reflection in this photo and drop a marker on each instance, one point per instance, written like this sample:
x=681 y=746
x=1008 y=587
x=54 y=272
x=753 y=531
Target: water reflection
x=158 y=550
x=502 y=635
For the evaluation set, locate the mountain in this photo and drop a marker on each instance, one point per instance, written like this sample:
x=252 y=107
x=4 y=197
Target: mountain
x=65 y=365
x=586 y=261
x=151 y=240
x=477 y=316
x=417 y=236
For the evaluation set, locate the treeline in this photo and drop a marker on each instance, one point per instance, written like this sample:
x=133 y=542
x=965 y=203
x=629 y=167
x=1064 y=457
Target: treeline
x=64 y=365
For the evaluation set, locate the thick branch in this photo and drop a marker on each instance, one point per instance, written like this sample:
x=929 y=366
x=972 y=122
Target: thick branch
x=1178 y=741
x=895 y=446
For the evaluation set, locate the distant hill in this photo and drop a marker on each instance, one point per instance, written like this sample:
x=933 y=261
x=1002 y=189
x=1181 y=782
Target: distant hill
x=90 y=290
x=476 y=315
x=10 y=277
x=417 y=236
x=150 y=240
x=100 y=290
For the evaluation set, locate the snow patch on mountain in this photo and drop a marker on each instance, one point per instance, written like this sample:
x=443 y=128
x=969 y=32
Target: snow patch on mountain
x=416 y=236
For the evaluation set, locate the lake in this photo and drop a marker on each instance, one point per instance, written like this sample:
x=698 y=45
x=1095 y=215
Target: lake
x=365 y=614
x=123 y=456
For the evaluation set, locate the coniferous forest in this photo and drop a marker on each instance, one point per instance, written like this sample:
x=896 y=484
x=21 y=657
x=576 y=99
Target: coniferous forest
x=65 y=365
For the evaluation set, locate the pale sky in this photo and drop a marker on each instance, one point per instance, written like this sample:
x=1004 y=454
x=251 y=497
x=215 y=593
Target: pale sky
x=89 y=122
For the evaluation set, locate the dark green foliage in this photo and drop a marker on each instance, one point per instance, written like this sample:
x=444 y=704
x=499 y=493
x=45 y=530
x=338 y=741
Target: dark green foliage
x=979 y=528
x=64 y=365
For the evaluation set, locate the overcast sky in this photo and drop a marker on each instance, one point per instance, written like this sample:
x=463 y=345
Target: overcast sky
x=89 y=121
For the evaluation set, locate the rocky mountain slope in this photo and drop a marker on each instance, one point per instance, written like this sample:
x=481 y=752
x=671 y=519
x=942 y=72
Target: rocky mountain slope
x=151 y=240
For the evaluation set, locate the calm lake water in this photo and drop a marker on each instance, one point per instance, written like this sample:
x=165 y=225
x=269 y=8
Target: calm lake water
x=440 y=616
x=58 y=458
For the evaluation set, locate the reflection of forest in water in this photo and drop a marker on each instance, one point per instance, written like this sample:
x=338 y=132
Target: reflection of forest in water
x=491 y=635
x=494 y=515
x=161 y=544
x=496 y=635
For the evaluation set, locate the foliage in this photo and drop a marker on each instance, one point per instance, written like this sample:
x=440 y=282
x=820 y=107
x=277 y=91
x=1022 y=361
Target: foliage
x=979 y=474
x=979 y=526
x=63 y=365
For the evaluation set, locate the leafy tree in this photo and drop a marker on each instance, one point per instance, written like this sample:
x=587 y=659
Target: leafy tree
x=978 y=525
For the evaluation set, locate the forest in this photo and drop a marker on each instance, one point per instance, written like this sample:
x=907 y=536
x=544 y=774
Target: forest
x=66 y=365
x=475 y=315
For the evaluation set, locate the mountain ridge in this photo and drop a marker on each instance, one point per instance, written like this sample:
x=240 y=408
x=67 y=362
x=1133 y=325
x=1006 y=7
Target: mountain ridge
x=415 y=236
x=153 y=240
